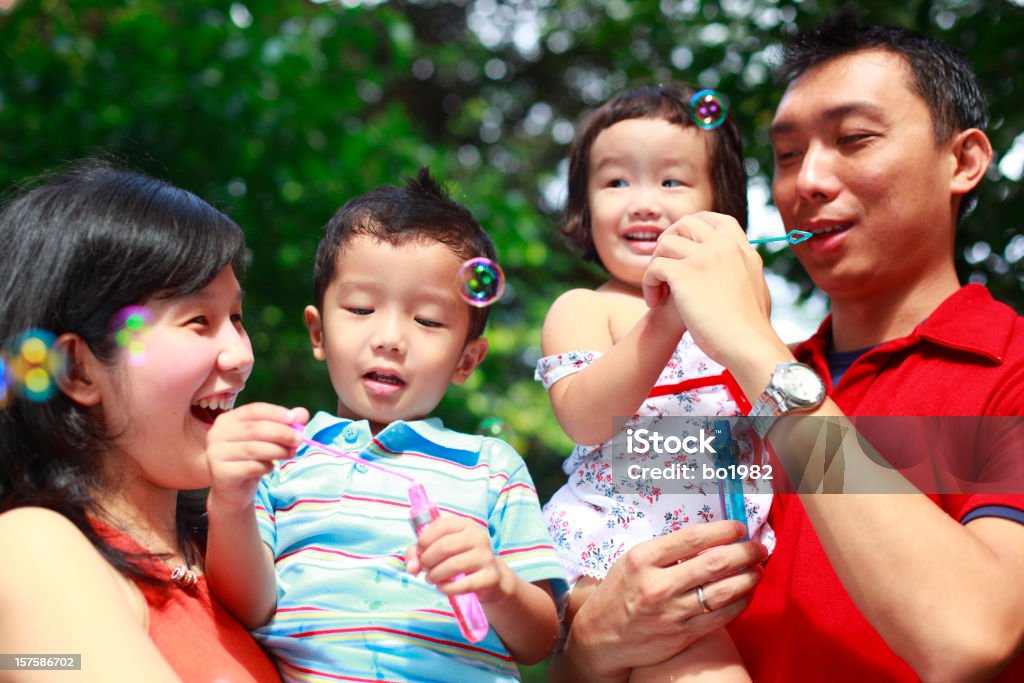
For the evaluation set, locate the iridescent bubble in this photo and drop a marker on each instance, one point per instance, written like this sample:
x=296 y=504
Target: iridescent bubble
x=481 y=282
x=499 y=429
x=708 y=109
x=6 y=385
x=35 y=365
x=130 y=326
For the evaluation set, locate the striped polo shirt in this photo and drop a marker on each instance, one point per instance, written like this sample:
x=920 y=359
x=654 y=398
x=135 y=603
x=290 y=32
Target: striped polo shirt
x=347 y=609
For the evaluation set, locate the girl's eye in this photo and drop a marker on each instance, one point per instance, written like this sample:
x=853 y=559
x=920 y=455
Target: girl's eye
x=199 y=320
x=236 y=318
x=618 y=182
x=360 y=311
x=428 y=323
x=672 y=182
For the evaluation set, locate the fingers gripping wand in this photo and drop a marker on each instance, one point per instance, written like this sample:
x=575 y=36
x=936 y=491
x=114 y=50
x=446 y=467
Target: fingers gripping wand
x=468 y=612
x=422 y=511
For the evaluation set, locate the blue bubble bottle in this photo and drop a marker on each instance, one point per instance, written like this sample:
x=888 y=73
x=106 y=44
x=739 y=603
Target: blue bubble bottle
x=730 y=488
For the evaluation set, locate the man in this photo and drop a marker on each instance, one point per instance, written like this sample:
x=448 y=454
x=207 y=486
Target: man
x=878 y=148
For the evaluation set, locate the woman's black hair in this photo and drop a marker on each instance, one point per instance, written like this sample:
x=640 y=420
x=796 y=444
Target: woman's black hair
x=87 y=242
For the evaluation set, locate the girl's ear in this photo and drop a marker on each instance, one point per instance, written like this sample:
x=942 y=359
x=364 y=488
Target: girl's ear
x=81 y=368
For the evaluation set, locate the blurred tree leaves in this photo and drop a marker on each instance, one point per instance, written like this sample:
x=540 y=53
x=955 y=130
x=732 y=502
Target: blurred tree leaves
x=280 y=110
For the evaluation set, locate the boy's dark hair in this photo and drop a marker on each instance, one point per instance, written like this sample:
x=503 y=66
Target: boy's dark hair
x=671 y=103
x=940 y=75
x=421 y=209
x=89 y=241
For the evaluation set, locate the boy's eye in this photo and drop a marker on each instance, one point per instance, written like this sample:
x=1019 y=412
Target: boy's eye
x=199 y=320
x=360 y=311
x=429 y=323
x=236 y=318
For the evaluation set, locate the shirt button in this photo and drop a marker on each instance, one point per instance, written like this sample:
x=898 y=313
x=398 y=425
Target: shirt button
x=349 y=435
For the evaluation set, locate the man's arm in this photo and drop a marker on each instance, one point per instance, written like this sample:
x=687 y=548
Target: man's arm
x=944 y=596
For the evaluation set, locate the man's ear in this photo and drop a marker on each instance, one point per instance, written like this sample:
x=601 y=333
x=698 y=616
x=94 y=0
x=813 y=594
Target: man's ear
x=972 y=153
x=316 y=331
x=81 y=369
x=472 y=356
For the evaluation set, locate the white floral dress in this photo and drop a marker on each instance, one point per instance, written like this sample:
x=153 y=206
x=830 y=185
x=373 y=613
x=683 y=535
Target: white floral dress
x=599 y=514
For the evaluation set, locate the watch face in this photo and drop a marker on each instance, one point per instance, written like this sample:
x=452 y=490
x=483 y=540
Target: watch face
x=801 y=383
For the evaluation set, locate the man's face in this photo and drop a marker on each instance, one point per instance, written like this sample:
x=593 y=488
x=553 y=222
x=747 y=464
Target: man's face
x=856 y=163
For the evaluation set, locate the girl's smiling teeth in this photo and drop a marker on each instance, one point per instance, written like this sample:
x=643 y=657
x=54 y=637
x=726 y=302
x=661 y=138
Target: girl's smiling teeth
x=642 y=236
x=207 y=409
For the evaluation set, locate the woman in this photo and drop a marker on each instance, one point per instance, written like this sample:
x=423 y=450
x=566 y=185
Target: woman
x=120 y=321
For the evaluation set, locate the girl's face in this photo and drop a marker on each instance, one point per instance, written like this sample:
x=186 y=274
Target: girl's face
x=196 y=360
x=644 y=175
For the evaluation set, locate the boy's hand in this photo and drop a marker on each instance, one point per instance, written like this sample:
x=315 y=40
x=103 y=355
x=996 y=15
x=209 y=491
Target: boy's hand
x=243 y=445
x=453 y=545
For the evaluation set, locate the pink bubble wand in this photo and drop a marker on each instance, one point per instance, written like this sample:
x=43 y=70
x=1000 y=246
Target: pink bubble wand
x=422 y=511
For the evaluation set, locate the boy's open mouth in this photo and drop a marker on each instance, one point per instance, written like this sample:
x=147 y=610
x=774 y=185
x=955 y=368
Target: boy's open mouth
x=385 y=378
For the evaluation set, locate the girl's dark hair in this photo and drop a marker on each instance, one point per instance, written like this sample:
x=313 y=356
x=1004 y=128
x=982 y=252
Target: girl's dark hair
x=87 y=242
x=671 y=103
x=421 y=209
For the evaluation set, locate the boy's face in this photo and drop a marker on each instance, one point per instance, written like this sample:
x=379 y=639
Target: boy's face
x=393 y=329
x=643 y=176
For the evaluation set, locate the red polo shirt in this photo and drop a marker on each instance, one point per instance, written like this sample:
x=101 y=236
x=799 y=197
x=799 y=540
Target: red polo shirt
x=967 y=358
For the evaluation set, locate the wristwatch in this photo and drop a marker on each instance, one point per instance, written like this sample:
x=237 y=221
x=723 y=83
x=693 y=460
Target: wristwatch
x=794 y=387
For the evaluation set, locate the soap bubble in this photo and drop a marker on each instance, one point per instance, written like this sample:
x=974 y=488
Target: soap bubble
x=497 y=428
x=708 y=109
x=130 y=326
x=34 y=364
x=481 y=282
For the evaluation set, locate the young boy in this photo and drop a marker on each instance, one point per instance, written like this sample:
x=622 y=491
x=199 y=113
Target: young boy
x=350 y=601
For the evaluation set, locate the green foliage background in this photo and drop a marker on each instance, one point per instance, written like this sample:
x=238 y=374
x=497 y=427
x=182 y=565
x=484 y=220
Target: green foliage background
x=280 y=110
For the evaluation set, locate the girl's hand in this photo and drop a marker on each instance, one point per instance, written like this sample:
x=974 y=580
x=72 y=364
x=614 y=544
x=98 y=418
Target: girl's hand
x=244 y=444
x=715 y=280
x=453 y=545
